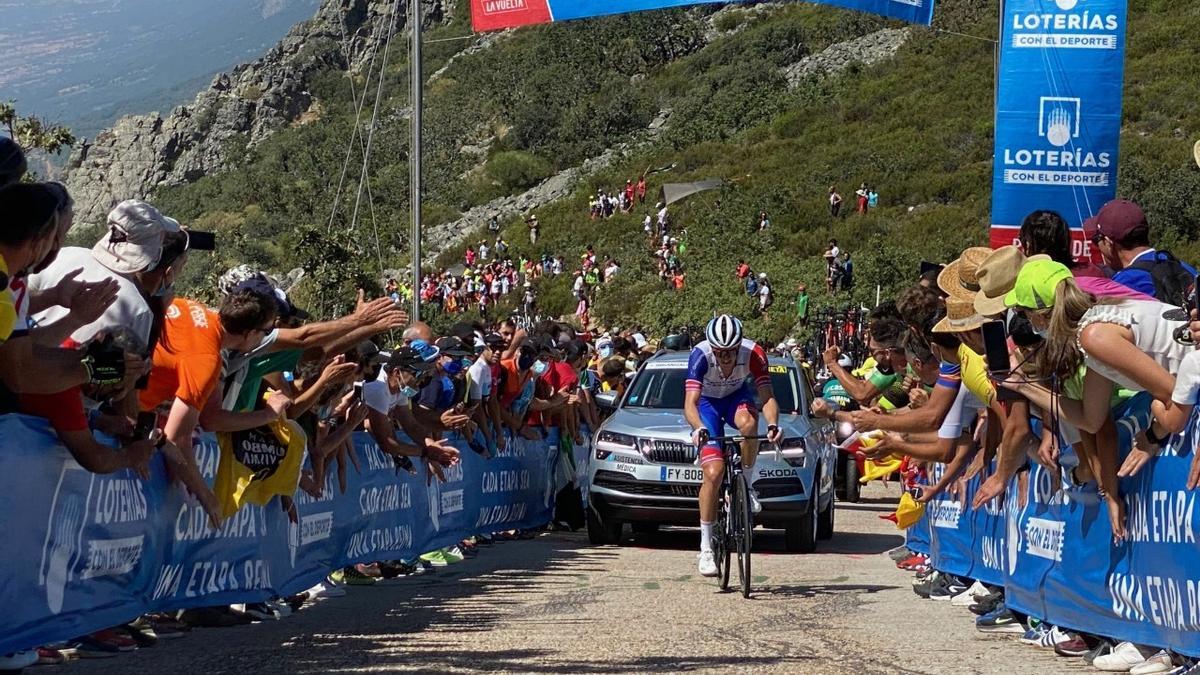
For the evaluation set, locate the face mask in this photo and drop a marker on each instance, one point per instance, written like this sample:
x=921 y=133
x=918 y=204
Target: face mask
x=453 y=368
x=539 y=367
x=606 y=352
x=1043 y=333
x=165 y=291
x=409 y=392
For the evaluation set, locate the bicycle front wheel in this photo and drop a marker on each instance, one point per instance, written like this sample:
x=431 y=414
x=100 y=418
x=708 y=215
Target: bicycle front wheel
x=721 y=546
x=743 y=518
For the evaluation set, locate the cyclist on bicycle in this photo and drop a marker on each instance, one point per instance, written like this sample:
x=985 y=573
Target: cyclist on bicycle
x=718 y=393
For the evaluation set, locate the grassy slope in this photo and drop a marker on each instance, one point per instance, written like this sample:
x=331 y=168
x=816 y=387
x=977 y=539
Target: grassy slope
x=918 y=127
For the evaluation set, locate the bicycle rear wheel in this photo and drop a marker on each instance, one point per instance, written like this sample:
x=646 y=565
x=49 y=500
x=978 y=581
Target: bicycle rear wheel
x=744 y=529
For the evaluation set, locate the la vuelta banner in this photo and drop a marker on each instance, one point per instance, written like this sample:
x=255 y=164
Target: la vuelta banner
x=498 y=14
x=1058 y=112
x=83 y=551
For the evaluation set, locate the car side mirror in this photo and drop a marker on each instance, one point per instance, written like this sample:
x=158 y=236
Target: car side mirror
x=607 y=401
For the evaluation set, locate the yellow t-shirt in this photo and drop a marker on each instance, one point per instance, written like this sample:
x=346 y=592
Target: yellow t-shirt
x=975 y=375
x=8 y=305
x=258 y=464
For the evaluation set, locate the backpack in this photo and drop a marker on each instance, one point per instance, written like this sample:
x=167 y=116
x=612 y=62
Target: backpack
x=1172 y=281
x=751 y=286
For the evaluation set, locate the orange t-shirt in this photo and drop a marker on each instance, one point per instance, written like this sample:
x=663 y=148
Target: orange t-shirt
x=187 y=360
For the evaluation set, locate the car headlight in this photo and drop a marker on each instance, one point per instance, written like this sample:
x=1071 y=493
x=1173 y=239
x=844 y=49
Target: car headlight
x=624 y=440
x=793 y=451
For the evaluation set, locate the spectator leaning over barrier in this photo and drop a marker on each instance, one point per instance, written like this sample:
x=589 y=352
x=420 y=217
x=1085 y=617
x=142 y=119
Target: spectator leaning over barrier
x=1047 y=233
x=483 y=389
x=1122 y=234
x=1128 y=343
x=884 y=346
x=29 y=241
x=399 y=381
x=129 y=320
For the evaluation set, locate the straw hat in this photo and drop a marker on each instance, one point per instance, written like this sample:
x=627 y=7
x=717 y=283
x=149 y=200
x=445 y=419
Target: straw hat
x=960 y=278
x=997 y=275
x=960 y=317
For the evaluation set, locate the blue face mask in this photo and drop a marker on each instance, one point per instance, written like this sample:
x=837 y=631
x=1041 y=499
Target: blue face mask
x=606 y=352
x=410 y=392
x=453 y=368
x=467 y=362
x=539 y=367
x=165 y=291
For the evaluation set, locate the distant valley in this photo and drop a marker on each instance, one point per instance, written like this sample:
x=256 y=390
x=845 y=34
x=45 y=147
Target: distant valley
x=85 y=63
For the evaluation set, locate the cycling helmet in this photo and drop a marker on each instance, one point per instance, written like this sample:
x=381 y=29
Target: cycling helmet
x=845 y=361
x=724 y=332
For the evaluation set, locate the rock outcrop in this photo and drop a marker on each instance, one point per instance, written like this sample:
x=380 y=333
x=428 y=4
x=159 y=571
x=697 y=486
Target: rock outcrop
x=239 y=109
x=866 y=50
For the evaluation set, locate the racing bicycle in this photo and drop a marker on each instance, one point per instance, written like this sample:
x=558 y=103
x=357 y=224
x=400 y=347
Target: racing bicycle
x=733 y=531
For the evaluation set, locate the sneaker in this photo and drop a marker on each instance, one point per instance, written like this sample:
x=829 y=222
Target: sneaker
x=987 y=604
x=325 y=590
x=113 y=637
x=910 y=561
x=214 y=617
x=1035 y=633
x=708 y=565
x=454 y=554
x=295 y=602
x=371 y=570
x=18 y=660
x=143 y=635
x=900 y=553
x=1123 y=657
x=945 y=591
x=1161 y=662
x=48 y=656
x=925 y=588
x=336 y=578
x=90 y=650
x=967 y=597
x=281 y=607
x=1054 y=637
x=485 y=539
x=1001 y=621
x=436 y=558
x=1101 y=648
x=1075 y=645
x=162 y=626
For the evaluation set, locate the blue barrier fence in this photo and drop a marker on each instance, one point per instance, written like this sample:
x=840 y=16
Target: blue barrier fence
x=84 y=552
x=1051 y=547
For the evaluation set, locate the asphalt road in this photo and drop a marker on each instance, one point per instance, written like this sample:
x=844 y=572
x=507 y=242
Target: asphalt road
x=557 y=604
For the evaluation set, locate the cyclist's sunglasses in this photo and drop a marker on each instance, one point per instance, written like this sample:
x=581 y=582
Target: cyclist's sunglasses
x=725 y=353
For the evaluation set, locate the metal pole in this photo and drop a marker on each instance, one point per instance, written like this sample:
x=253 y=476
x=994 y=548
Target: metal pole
x=414 y=156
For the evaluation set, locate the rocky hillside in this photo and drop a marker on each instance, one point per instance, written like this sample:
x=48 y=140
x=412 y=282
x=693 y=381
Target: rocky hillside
x=780 y=100
x=239 y=109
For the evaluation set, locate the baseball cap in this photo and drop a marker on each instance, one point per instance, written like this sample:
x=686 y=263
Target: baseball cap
x=452 y=346
x=135 y=237
x=260 y=286
x=367 y=353
x=1091 y=227
x=405 y=358
x=426 y=351
x=1036 y=284
x=1119 y=218
x=493 y=340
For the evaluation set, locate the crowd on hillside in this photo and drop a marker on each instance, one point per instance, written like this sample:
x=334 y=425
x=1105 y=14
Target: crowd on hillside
x=1026 y=355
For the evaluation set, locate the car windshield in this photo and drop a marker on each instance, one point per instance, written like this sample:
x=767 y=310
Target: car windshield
x=664 y=387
